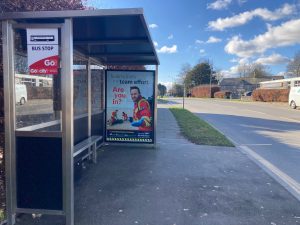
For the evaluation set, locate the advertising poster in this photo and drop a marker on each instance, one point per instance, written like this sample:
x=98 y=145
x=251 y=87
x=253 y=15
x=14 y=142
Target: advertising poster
x=42 y=49
x=130 y=106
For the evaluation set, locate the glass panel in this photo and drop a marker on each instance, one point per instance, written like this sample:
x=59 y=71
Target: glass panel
x=80 y=87
x=98 y=74
x=80 y=99
x=97 y=100
x=37 y=95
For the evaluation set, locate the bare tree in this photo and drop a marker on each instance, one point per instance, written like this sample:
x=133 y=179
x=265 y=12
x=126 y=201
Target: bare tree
x=244 y=69
x=259 y=70
x=185 y=69
x=293 y=67
x=254 y=70
x=219 y=75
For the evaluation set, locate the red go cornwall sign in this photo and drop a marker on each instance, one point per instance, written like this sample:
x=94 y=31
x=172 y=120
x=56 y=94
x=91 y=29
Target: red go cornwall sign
x=42 y=49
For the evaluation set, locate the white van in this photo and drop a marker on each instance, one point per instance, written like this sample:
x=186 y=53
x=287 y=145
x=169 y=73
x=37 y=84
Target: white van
x=21 y=94
x=294 y=96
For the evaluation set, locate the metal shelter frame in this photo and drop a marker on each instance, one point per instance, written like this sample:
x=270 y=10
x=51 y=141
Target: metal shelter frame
x=103 y=37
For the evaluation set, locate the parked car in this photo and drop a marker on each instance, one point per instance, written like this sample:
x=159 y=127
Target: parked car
x=21 y=94
x=248 y=93
x=294 y=97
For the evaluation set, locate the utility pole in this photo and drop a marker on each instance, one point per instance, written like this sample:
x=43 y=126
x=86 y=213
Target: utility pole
x=183 y=95
x=210 y=74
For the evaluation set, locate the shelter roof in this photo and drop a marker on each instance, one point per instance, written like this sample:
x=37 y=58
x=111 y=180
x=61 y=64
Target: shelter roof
x=112 y=36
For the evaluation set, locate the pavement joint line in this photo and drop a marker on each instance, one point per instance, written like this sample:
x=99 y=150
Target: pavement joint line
x=285 y=180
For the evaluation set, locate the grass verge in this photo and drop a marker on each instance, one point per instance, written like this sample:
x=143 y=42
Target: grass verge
x=197 y=130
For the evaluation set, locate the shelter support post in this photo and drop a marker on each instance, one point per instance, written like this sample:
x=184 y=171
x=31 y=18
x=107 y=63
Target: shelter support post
x=155 y=105
x=9 y=108
x=67 y=120
x=89 y=80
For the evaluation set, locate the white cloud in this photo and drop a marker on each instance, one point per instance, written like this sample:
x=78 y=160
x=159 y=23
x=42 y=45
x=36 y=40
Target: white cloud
x=232 y=72
x=153 y=25
x=199 y=42
x=168 y=50
x=168 y=84
x=274 y=59
x=234 y=69
x=242 y=1
x=155 y=43
x=213 y=39
x=171 y=36
x=233 y=60
x=243 y=18
x=243 y=61
x=281 y=73
x=202 y=52
x=219 y=4
x=287 y=34
x=210 y=40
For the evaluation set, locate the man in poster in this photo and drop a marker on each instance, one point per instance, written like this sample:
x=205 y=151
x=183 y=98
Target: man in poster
x=141 y=112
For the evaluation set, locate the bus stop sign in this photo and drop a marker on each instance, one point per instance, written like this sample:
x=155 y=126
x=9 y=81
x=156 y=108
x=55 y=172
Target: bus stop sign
x=42 y=48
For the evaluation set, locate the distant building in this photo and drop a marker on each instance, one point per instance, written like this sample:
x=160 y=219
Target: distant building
x=238 y=86
x=280 y=84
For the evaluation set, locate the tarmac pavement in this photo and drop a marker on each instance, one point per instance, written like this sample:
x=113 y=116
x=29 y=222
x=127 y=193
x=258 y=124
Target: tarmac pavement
x=179 y=183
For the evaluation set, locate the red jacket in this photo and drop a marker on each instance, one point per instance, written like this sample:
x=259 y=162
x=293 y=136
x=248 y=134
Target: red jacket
x=142 y=110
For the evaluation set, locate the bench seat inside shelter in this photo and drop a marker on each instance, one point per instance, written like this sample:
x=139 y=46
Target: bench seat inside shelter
x=88 y=147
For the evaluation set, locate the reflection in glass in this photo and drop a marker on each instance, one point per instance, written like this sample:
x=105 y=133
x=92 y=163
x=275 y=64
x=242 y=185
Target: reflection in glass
x=37 y=96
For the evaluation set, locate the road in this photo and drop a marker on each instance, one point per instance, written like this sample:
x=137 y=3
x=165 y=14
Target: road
x=36 y=106
x=34 y=112
x=269 y=133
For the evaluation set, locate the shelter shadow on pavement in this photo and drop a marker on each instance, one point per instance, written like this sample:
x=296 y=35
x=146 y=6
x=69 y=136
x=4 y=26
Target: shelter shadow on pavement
x=179 y=183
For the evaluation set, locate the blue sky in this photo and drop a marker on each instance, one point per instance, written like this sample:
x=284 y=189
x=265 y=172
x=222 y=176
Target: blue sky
x=226 y=32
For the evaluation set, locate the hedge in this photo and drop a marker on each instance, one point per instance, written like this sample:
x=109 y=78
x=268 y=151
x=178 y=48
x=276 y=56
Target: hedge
x=203 y=91
x=39 y=92
x=222 y=94
x=271 y=95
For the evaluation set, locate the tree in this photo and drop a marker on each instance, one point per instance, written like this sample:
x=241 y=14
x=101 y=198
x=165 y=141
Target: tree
x=259 y=71
x=293 y=67
x=162 y=90
x=244 y=69
x=176 y=90
x=202 y=73
x=39 y=5
x=253 y=70
x=185 y=69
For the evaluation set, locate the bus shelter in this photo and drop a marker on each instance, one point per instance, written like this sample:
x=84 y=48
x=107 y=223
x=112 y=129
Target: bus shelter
x=54 y=66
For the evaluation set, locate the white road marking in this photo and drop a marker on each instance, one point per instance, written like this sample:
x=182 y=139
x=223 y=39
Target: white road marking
x=257 y=144
x=250 y=110
x=276 y=117
x=289 y=183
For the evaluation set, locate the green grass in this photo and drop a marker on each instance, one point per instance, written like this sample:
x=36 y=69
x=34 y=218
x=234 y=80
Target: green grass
x=198 y=131
x=2 y=215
